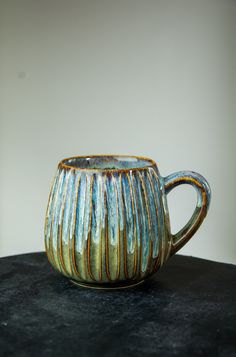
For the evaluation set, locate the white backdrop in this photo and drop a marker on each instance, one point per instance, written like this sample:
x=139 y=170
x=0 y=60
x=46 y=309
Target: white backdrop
x=152 y=78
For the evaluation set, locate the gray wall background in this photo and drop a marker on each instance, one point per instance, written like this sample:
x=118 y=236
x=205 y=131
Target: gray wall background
x=153 y=78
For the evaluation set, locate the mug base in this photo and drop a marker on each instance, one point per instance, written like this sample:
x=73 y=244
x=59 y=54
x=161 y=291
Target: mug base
x=107 y=286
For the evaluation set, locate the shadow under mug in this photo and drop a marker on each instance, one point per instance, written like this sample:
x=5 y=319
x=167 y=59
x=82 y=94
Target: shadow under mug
x=107 y=221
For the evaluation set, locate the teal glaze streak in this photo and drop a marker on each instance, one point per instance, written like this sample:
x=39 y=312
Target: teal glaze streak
x=120 y=203
x=160 y=212
x=153 y=213
x=68 y=207
x=56 y=209
x=74 y=192
x=50 y=206
x=87 y=207
x=144 y=224
x=112 y=210
x=128 y=214
x=79 y=229
x=112 y=205
x=135 y=213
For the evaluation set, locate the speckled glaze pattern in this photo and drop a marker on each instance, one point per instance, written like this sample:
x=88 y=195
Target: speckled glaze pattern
x=107 y=220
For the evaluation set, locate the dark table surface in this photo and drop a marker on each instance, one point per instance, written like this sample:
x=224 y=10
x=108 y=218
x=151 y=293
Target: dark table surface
x=187 y=309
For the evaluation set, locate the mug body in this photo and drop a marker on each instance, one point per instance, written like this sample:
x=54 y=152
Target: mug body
x=107 y=221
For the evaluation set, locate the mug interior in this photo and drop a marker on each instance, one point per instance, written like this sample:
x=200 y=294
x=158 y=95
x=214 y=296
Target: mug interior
x=101 y=162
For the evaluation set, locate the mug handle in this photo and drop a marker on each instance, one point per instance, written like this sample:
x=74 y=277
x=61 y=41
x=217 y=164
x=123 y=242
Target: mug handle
x=203 y=201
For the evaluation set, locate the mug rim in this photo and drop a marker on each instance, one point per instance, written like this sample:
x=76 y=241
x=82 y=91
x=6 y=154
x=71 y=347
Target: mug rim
x=149 y=163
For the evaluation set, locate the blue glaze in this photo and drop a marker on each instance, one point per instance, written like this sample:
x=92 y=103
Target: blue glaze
x=68 y=206
x=153 y=212
x=107 y=218
x=87 y=207
x=79 y=227
x=57 y=207
x=50 y=208
x=120 y=203
x=143 y=223
x=160 y=211
x=112 y=210
x=128 y=213
x=135 y=210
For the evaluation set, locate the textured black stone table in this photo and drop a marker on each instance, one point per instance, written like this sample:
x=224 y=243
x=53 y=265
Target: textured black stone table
x=187 y=309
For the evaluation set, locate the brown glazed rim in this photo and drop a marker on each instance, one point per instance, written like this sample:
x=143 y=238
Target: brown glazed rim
x=63 y=165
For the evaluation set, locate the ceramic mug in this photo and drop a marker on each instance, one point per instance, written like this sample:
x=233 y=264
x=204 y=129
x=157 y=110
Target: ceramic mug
x=107 y=221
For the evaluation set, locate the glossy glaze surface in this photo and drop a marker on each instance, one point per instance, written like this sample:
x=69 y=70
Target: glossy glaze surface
x=107 y=219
